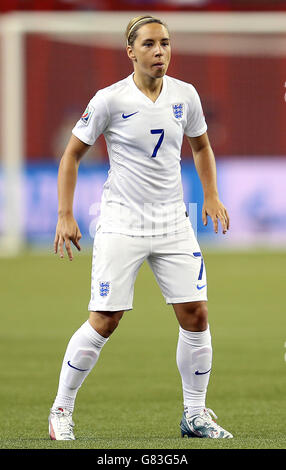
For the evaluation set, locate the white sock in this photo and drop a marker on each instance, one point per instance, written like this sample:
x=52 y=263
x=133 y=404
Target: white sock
x=194 y=361
x=81 y=356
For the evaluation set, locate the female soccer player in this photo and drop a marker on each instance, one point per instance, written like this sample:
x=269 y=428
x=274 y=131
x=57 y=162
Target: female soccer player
x=143 y=217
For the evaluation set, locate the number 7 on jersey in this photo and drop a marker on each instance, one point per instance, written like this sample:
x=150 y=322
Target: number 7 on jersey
x=159 y=143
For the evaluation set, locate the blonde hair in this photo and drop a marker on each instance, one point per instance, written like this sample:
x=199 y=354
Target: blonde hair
x=136 y=23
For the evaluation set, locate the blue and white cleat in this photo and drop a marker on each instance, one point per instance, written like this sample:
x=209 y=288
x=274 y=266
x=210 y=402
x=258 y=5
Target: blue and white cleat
x=202 y=425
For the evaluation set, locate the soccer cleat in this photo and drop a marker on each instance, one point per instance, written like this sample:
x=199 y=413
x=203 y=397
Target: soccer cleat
x=61 y=425
x=202 y=425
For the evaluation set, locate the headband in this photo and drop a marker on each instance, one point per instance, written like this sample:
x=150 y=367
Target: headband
x=137 y=22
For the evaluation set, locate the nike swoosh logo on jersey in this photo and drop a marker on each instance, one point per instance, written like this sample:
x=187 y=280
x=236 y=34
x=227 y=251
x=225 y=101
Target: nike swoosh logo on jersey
x=125 y=116
x=200 y=287
x=202 y=373
x=81 y=370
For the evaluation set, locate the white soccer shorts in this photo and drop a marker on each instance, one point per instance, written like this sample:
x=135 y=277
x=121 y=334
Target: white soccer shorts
x=176 y=261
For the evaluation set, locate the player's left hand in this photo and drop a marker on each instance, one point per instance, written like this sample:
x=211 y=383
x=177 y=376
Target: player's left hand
x=215 y=209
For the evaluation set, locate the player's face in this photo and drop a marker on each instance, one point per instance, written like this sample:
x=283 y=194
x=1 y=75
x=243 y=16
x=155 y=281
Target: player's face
x=151 y=51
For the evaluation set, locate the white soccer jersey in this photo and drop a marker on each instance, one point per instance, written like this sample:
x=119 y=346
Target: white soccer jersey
x=143 y=193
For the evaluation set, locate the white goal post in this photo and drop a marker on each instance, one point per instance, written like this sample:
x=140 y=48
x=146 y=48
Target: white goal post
x=14 y=27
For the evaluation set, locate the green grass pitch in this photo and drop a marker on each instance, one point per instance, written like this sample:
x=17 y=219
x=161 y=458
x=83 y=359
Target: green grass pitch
x=132 y=399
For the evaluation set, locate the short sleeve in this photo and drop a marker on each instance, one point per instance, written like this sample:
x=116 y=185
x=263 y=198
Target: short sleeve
x=196 y=123
x=93 y=121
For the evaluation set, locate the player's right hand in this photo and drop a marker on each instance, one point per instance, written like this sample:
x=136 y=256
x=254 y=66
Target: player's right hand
x=67 y=230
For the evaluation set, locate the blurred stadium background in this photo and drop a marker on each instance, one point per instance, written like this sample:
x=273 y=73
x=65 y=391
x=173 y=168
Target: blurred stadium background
x=54 y=55
x=57 y=53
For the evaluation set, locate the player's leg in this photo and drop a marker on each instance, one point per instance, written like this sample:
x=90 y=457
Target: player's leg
x=116 y=261
x=179 y=269
x=192 y=316
x=194 y=360
x=179 y=272
x=194 y=353
x=81 y=355
x=105 y=322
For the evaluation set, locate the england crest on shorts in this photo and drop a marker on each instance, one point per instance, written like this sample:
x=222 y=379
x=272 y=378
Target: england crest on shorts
x=178 y=110
x=104 y=288
x=85 y=118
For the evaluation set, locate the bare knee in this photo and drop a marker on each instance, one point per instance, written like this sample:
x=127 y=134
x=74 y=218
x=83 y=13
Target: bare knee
x=192 y=316
x=105 y=322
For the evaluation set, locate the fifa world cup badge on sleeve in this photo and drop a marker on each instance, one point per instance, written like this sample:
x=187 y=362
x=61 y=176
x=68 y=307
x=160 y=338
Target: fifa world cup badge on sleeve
x=178 y=110
x=85 y=118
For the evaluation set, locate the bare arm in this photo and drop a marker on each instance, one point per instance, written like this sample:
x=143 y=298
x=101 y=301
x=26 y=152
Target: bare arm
x=67 y=228
x=206 y=168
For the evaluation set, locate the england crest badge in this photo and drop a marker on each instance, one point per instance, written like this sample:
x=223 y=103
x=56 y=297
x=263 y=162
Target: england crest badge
x=104 y=288
x=178 y=110
x=85 y=118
